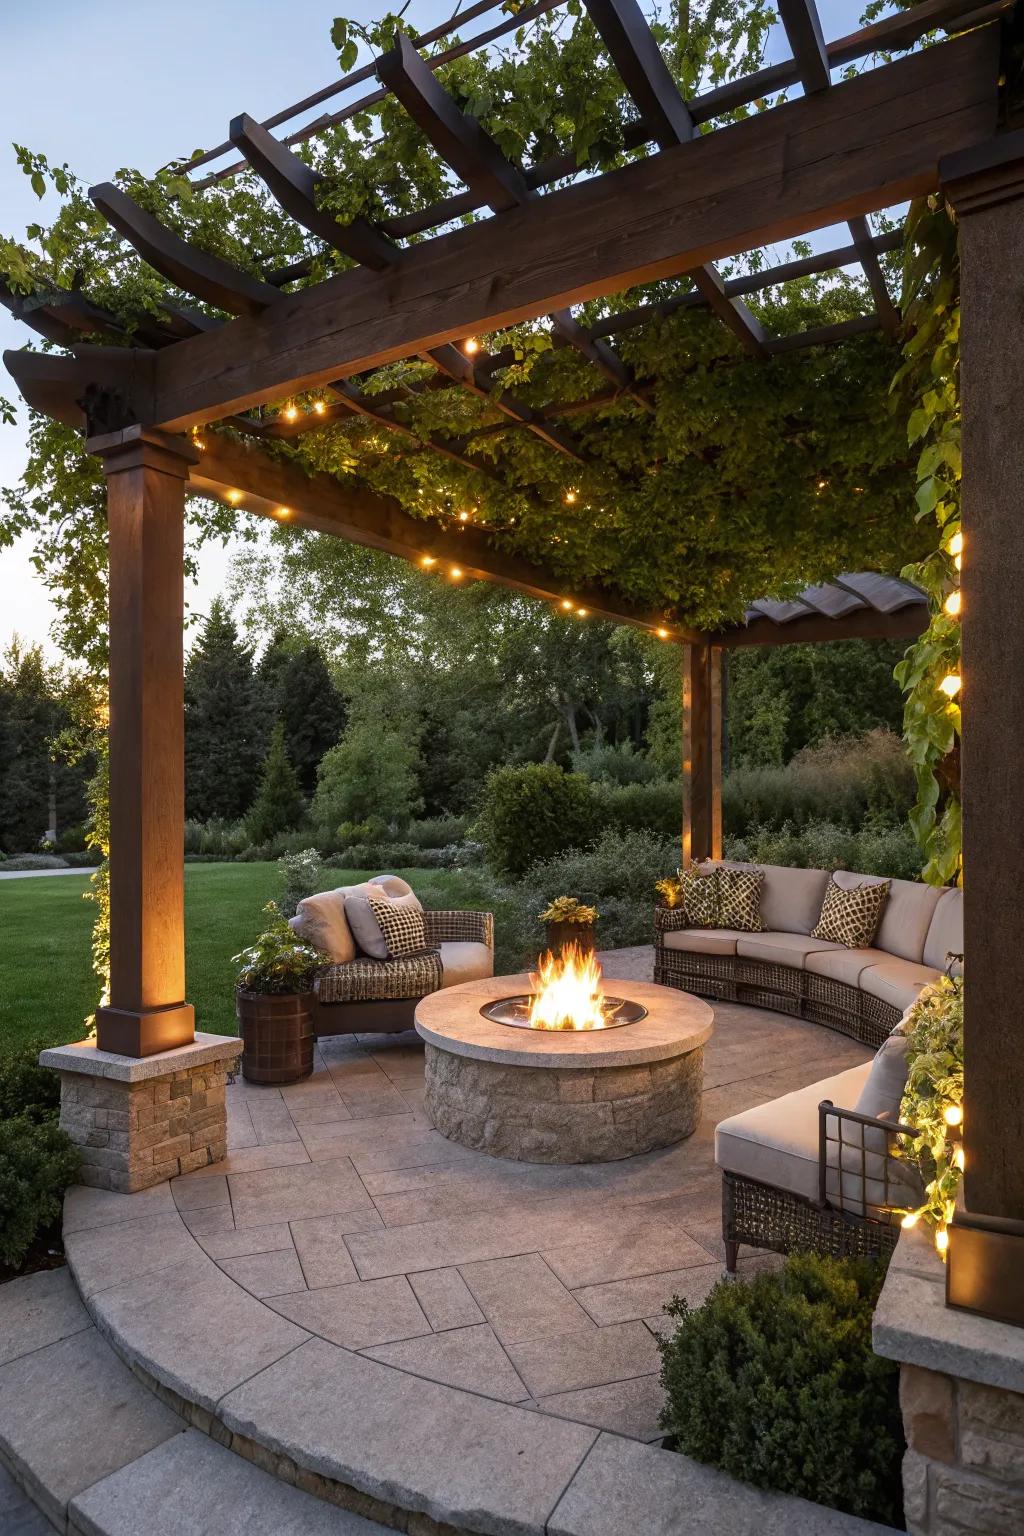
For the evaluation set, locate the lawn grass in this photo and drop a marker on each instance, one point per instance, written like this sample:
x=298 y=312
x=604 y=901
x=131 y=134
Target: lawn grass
x=47 y=987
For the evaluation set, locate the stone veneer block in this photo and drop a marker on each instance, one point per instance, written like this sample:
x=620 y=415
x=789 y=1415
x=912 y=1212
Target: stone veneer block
x=563 y=1096
x=138 y=1121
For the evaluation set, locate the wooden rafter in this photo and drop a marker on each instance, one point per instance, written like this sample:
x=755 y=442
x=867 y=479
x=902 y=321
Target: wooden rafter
x=810 y=54
x=207 y=277
x=240 y=474
x=865 y=144
x=867 y=255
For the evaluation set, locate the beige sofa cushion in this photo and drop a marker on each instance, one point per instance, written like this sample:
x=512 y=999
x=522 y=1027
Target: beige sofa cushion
x=842 y=964
x=790 y=898
x=463 y=960
x=780 y=948
x=397 y=890
x=897 y=981
x=906 y=916
x=777 y=1143
x=320 y=920
x=946 y=933
x=704 y=941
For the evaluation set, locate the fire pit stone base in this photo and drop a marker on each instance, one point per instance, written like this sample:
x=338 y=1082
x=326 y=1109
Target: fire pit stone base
x=584 y=1115
x=563 y=1096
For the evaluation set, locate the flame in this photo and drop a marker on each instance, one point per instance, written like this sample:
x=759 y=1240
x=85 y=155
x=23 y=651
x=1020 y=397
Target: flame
x=567 y=991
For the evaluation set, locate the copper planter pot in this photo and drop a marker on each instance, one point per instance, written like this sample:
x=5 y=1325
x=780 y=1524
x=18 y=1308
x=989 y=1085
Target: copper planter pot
x=583 y=935
x=277 y=1035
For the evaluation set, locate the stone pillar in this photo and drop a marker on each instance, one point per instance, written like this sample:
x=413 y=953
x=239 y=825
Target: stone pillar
x=702 y=753
x=139 y=1121
x=985 y=187
x=146 y=474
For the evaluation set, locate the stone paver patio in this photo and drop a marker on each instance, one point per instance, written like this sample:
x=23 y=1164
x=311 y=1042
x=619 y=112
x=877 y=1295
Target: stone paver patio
x=343 y=1211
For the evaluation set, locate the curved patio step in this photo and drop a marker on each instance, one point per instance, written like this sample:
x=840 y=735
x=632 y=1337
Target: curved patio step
x=366 y=1435
x=89 y=1449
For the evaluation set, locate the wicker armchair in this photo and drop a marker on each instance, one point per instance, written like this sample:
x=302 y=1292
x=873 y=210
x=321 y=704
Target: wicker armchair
x=368 y=996
x=861 y=1194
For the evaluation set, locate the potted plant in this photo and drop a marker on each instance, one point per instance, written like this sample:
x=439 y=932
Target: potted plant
x=274 y=1001
x=568 y=921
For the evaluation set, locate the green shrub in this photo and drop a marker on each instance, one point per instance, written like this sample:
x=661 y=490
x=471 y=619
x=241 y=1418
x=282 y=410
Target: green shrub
x=841 y=780
x=26 y=1088
x=774 y=1381
x=532 y=811
x=620 y=764
x=437 y=831
x=24 y=861
x=654 y=807
x=876 y=849
x=37 y=1163
x=300 y=877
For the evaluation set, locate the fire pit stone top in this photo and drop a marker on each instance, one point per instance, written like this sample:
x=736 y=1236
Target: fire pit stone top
x=451 y=1019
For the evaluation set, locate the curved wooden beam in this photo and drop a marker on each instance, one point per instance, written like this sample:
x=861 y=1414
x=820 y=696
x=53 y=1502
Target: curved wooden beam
x=207 y=277
x=95 y=388
x=458 y=138
x=294 y=185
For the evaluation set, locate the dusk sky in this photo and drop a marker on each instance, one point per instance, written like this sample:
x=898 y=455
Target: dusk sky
x=102 y=85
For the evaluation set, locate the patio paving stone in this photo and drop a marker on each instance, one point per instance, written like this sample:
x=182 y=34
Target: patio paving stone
x=191 y=1485
x=209 y=1219
x=266 y=1274
x=85 y=1207
x=195 y=1328
x=268 y=1196
x=620 y=1301
x=319 y=1243
x=40 y=1309
x=196 y=1194
x=110 y=1255
x=233 y=1245
x=570 y=1361
x=272 y=1122
x=254 y=1160
x=629 y=1408
x=72 y=1413
x=470 y=1358
x=446 y=1299
x=641 y=1240
x=464 y=1460
x=241 y=1131
x=522 y=1299
x=626 y=1486
x=357 y=1315
x=18 y=1515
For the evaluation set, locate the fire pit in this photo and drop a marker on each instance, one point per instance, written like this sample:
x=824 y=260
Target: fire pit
x=566 y=993
x=555 y=1092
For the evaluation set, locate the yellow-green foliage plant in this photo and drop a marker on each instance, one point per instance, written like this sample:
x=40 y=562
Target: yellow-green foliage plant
x=933 y=1101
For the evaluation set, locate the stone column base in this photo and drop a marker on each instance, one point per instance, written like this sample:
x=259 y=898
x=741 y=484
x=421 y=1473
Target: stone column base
x=140 y=1120
x=962 y=1396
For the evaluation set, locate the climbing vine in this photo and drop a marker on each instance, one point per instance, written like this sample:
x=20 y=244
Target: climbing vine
x=930 y=672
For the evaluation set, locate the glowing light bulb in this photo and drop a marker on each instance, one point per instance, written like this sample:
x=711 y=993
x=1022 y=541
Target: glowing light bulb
x=319 y=407
x=911 y=1219
x=956 y=544
x=283 y=512
x=470 y=346
x=822 y=485
x=953 y=1114
x=428 y=561
x=291 y=412
x=958 y=1158
x=570 y=498
x=463 y=517
x=581 y=613
x=662 y=634
x=952 y=605
x=567 y=605
x=234 y=497
x=950 y=685
x=455 y=573
x=942 y=1239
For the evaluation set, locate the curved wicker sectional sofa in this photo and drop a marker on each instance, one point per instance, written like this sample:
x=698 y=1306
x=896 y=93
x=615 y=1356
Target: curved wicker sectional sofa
x=860 y=992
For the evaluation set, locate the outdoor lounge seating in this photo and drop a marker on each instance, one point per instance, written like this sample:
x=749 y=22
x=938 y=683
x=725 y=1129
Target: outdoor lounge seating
x=860 y=992
x=357 y=992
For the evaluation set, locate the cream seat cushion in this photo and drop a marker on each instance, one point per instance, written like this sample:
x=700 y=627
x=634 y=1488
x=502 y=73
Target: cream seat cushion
x=946 y=934
x=790 y=949
x=777 y=1143
x=704 y=941
x=897 y=981
x=464 y=960
x=842 y=964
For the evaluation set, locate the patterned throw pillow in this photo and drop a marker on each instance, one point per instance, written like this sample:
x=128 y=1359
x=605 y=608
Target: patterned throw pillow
x=851 y=917
x=700 y=897
x=739 y=899
x=403 y=927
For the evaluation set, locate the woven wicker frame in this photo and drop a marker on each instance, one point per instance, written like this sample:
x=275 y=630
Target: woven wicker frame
x=761 y=1216
x=769 y=984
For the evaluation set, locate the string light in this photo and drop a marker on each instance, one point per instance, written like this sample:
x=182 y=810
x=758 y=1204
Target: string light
x=950 y=685
x=956 y=544
x=570 y=498
x=463 y=517
x=958 y=1158
x=291 y=412
x=455 y=573
x=567 y=605
x=283 y=512
x=471 y=346
x=581 y=613
x=952 y=605
x=319 y=407
x=662 y=634
x=428 y=561
x=953 y=1114
x=234 y=497
x=911 y=1219
x=942 y=1240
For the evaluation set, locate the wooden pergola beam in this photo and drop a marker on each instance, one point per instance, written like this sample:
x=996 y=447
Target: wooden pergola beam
x=810 y=54
x=864 y=624
x=241 y=475
x=863 y=145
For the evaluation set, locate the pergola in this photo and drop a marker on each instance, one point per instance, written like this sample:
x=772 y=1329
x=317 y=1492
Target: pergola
x=939 y=119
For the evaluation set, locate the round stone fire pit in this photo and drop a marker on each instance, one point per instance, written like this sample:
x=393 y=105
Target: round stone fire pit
x=563 y=1096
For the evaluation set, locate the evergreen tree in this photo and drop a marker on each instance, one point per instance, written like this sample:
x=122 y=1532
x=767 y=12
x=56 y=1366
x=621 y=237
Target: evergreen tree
x=278 y=805
x=300 y=692
x=224 y=732
x=36 y=783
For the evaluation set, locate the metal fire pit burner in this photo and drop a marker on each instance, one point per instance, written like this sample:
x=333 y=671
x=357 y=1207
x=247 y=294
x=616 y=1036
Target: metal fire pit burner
x=516 y=1011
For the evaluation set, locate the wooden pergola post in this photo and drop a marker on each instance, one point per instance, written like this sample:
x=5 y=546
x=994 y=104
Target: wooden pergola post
x=702 y=753
x=146 y=473
x=986 y=1253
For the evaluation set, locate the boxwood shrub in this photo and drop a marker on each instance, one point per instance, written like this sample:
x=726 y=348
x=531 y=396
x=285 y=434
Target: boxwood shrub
x=37 y=1160
x=774 y=1381
x=532 y=811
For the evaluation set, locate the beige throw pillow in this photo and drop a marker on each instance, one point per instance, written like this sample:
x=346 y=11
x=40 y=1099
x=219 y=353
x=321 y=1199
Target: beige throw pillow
x=320 y=920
